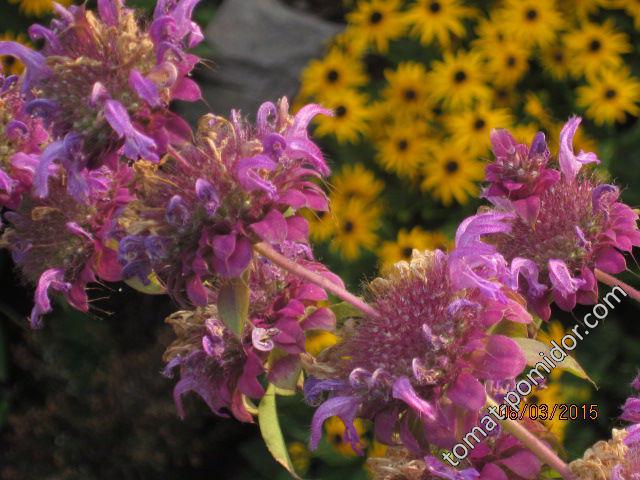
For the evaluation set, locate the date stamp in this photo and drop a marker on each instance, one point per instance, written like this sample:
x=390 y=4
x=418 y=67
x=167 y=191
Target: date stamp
x=546 y=412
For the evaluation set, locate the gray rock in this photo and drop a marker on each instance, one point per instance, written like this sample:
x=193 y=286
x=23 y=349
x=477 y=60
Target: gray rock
x=261 y=46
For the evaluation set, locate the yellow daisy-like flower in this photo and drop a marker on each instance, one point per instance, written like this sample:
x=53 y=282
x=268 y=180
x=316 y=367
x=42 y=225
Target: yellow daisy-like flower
x=355 y=181
x=407 y=90
x=377 y=22
x=321 y=224
x=470 y=129
x=336 y=71
x=458 y=79
x=350 y=42
x=335 y=435
x=508 y=64
x=452 y=174
x=579 y=9
x=38 y=8
x=533 y=22
x=300 y=456
x=376 y=449
x=417 y=238
x=596 y=46
x=555 y=59
x=491 y=33
x=534 y=107
x=319 y=340
x=438 y=19
x=10 y=64
x=349 y=119
x=524 y=132
x=402 y=149
x=356 y=225
x=610 y=96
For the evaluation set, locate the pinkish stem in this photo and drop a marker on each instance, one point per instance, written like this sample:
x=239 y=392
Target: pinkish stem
x=267 y=251
x=614 y=282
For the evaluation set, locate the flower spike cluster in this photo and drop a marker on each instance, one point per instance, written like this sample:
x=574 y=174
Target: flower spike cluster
x=420 y=367
x=202 y=210
x=554 y=227
x=104 y=83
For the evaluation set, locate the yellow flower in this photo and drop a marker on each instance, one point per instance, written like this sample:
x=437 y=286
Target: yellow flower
x=321 y=224
x=470 y=129
x=350 y=42
x=438 y=19
x=356 y=181
x=491 y=33
x=335 y=435
x=596 y=46
x=319 y=340
x=336 y=71
x=458 y=79
x=533 y=22
x=534 y=107
x=508 y=64
x=377 y=22
x=580 y=9
x=524 y=132
x=555 y=60
x=402 y=149
x=356 y=225
x=452 y=174
x=38 y=8
x=10 y=64
x=300 y=456
x=376 y=449
x=610 y=96
x=407 y=90
x=392 y=252
x=349 y=119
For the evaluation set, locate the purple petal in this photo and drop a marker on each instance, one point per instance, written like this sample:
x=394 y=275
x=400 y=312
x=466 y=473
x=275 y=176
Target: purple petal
x=54 y=151
x=109 y=11
x=611 y=260
x=403 y=390
x=266 y=113
x=250 y=179
x=208 y=195
x=345 y=408
x=564 y=285
x=297 y=229
x=631 y=410
x=35 y=63
x=248 y=382
x=304 y=116
x=439 y=470
x=322 y=319
x=262 y=338
x=52 y=278
x=501 y=359
x=144 y=88
x=6 y=182
x=502 y=143
x=570 y=163
x=524 y=464
x=177 y=213
x=273 y=228
x=467 y=392
x=136 y=144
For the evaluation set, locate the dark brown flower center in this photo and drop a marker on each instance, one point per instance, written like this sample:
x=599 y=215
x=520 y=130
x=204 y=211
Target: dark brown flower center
x=341 y=111
x=348 y=226
x=610 y=93
x=333 y=75
x=479 y=124
x=511 y=60
x=595 y=45
x=410 y=94
x=403 y=145
x=451 y=166
x=460 y=76
x=435 y=7
x=531 y=14
x=375 y=18
x=406 y=252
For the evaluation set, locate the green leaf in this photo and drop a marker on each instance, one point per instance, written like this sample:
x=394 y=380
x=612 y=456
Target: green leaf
x=344 y=310
x=271 y=431
x=233 y=303
x=532 y=349
x=153 y=288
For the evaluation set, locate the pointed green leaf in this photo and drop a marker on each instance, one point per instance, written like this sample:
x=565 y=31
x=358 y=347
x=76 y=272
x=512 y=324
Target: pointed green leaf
x=154 y=287
x=532 y=349
x=271 y=431
x=344 y=310
x=233 y=304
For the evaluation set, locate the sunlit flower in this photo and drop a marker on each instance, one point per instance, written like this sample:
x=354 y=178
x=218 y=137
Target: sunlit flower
x=596 y=46
x=451 y=174
x=438 y=20
x=470 y=128
x=9 y=64
x=533 y=22
x=535 y=107
x=610 y=96
x=555 y=227
x=402 y=149
x=458 y=79
x=422 y=360
x=319 y=340
x=321 y=224
x=491 y=34
x=335 y=435
x=336 y=71
x=407 y=241
x=355 y=229
x=508 y=64
x=38 y=8
x=556 y=60
x=349 y=118
x=408 y=89
x=355 y=181
x=377 y=21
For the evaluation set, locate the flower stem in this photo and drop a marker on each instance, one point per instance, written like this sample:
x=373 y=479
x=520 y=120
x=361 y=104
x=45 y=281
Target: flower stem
x=533 y=443
x=267 y=251
x=614 y=282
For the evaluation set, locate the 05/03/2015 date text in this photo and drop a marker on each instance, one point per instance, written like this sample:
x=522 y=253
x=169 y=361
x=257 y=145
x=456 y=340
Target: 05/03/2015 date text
x=543 y=411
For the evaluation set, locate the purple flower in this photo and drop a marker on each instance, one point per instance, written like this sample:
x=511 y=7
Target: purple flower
x=424 y=360
x=237 y=185
x=554 y=227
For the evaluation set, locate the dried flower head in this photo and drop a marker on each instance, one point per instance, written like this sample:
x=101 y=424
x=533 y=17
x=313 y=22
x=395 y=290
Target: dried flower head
x=420 y=366
x=108 y=79
x=201 y=210
x=554 y=227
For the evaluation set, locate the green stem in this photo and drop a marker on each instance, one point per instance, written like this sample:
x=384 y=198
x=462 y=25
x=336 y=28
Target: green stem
x=614 y=282
x=267 y=251
x=533 y=443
